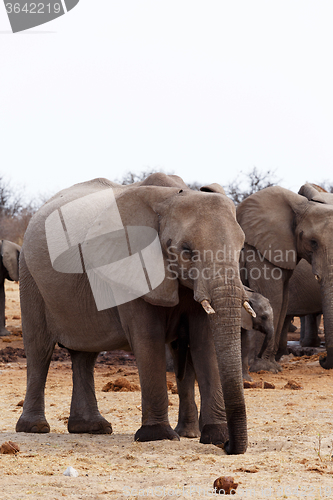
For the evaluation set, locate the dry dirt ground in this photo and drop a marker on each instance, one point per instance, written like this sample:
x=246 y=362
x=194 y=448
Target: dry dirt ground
x=289 y=452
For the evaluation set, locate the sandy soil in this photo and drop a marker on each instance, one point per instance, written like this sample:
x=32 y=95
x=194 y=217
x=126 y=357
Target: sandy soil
x=289 y=453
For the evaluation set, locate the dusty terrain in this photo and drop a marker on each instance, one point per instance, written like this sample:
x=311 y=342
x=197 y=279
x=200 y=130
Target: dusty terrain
x=290 y=437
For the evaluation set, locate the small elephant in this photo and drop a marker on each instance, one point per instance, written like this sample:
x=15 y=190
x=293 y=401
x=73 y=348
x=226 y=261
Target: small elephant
x=105 y=267
x=254 y=344
x=9 y=269
x=188 y=423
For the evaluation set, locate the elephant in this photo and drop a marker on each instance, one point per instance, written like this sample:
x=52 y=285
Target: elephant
x=251 y=341
x=281 y=228
x=105 y=266
x=180 y=351
x=9 y=269
x=304 y=290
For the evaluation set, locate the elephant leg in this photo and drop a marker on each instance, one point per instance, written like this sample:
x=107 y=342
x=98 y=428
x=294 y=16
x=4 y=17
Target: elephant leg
x=188 y=422
x=213 y=422
x=84 y=414
x=310 y=336
x=245 y=354
x=302 y=334
x=33 y=417
x=3 y=330
x=291 y=327
x=38 y=349
x=148 y=346
x=283 y=349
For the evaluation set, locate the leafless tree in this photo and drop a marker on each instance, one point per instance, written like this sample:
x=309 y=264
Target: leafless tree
x=15 y=211
x=327 y=185
x=250 y=182
x=131 y=177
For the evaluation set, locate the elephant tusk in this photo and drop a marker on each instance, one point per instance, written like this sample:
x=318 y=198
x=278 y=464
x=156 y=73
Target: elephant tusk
x=249 y=309
x=207 y=307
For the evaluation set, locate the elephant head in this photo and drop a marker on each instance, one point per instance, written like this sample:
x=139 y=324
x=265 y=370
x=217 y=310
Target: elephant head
x=10 y=253
x=263 y=318
x=285 y=227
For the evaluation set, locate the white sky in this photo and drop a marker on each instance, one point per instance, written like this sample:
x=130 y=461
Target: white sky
x=203 y=89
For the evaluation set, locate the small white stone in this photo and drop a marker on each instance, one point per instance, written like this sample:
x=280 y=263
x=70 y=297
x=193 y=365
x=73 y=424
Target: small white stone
x=71 y=472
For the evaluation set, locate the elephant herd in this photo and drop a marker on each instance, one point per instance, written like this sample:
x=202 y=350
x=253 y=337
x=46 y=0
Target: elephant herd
x=105 y=266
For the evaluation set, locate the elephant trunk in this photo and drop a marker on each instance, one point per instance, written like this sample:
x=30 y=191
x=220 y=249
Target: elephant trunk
x=327 y=301
x=226 y=327
x=268 y=340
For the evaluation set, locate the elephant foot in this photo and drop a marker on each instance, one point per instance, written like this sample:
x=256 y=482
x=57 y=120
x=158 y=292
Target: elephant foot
x=280 y=353
x=4 y=332
x=28 y=425
x=214 y=434
x=267 y=365
x=77 y=425
x=327 y=361
x=246 y=376
x=188 y=430
x=156 y=432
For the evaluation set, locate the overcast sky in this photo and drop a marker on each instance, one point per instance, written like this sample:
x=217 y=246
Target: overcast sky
x=204 y=89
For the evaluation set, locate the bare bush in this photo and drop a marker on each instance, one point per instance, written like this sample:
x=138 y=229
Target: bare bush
x=131 y=177
x=327 y=185
x=248 y=183
x=15 y=212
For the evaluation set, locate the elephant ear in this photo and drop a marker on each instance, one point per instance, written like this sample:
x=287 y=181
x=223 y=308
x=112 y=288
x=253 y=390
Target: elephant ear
x=316 y=193
x=246 y=319
x=268 y=219
x=140 y=207
x=10 y=253
x=247 y=323
x=213 y=188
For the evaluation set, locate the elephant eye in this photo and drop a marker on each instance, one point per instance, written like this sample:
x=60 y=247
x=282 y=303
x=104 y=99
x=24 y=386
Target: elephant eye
x=186 y=248
x=264 y=317
x=314 y=244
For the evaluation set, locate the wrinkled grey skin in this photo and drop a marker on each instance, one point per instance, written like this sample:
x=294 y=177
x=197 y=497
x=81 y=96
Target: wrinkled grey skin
x=59 y=307
x=188 y=423
x=9 y=269
x=304 y=301
x=282 y=227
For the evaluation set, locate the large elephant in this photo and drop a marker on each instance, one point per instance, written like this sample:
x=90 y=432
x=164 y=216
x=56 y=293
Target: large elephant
x=9 y=269
x=281 y=228
x=106 y=267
